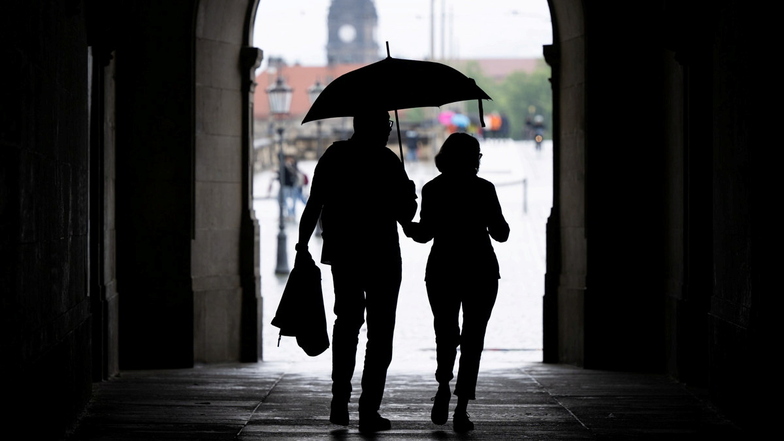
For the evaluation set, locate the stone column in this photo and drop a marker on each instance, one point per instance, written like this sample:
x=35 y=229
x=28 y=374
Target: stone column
x=250 y=328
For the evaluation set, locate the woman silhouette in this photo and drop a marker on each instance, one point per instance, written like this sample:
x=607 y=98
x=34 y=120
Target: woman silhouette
x=460 y=212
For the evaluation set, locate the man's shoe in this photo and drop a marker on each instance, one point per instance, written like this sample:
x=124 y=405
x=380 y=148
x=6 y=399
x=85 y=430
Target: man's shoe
x=440 y=412
x=338 y=413
x=461 y=423
x=373 y=422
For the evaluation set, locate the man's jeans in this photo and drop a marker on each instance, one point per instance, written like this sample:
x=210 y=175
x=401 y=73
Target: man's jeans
x=360 y=288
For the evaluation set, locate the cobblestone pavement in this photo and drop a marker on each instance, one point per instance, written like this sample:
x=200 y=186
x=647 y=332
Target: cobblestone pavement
x=290 y=401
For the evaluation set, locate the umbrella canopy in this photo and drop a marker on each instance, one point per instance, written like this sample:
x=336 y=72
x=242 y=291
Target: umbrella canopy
x=460 y=120
x=393 y=84
x=445 y=117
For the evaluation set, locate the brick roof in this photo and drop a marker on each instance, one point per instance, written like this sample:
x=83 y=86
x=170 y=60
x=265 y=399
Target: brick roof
x=300 y=78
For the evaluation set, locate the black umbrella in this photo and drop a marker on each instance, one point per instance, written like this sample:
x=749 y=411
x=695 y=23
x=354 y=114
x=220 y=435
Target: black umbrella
x=392 y=84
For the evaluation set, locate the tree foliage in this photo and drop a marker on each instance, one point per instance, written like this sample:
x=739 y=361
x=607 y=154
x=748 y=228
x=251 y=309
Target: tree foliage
x=518 y=97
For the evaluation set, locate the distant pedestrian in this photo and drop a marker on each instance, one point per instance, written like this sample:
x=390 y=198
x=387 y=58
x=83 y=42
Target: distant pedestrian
x=412 y=145
x=298 y=180
x=287 y=180
x=538 y=127
x=460 y=212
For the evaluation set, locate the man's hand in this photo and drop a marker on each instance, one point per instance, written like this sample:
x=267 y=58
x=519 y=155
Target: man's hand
x=303 y=256
x=407 y=228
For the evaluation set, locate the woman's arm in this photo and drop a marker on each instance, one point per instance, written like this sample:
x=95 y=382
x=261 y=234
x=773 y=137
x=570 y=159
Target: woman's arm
x=497 y=225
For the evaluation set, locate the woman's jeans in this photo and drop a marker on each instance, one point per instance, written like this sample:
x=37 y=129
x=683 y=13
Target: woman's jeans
x=477 y=297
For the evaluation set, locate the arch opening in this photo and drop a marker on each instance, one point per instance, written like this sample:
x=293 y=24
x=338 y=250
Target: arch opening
x=521 y=172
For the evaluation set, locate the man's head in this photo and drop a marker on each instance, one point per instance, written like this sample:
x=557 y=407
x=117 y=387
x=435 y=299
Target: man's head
x=373 y=125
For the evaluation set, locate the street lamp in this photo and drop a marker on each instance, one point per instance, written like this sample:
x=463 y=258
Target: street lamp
x=313 y=92
x=279 y=96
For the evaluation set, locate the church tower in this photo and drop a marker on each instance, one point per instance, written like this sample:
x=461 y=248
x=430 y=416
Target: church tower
x=352 y=32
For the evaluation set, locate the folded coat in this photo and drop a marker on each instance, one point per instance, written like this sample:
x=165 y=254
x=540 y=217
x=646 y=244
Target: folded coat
x=300 y=312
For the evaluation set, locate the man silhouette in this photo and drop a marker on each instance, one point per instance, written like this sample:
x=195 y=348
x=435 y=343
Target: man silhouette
x=360 y=191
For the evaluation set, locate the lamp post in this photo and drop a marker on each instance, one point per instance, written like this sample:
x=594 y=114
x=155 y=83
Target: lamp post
x=279 y=95
x=313 y=92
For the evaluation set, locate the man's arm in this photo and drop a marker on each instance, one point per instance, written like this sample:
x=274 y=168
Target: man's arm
x=406 y=199
x=312 y=211
x=307 y=223
x=420 y=231
x=498 y=227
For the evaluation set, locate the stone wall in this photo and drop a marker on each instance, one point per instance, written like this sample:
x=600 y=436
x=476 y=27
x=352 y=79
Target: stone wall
x=222 y=198
x=677 y=213
x=45 y=309
x=155 y=184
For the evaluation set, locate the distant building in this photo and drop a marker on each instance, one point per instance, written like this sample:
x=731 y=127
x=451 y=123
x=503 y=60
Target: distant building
x=351 y=44
x=300 y=78
x=351 y=26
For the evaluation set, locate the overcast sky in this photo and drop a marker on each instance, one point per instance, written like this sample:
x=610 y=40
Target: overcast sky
x=297 y=29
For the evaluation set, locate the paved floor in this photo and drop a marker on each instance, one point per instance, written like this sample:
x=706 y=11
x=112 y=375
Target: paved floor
x=286 y=397
x=523 y=179
x=290 y=401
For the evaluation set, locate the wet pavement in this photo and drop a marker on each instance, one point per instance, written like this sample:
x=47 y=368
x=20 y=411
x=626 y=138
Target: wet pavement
x=523 y=179
x=286 y=396
x=290 y=401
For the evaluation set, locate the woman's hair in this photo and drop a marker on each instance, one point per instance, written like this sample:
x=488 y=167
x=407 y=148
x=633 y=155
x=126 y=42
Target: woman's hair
x=459 y=153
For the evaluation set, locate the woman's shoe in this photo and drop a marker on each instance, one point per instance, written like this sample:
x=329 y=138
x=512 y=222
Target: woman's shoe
x=440 y=412
x=461 y=423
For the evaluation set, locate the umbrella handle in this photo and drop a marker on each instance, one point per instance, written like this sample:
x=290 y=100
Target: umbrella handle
x=397 y=123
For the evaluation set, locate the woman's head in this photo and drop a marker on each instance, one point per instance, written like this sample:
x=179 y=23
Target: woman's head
x=459 y=153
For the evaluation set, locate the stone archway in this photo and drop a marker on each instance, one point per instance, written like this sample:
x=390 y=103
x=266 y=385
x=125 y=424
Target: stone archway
x=566 y=244
x=186 y=250
x=217 y=304
x=225 y=253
